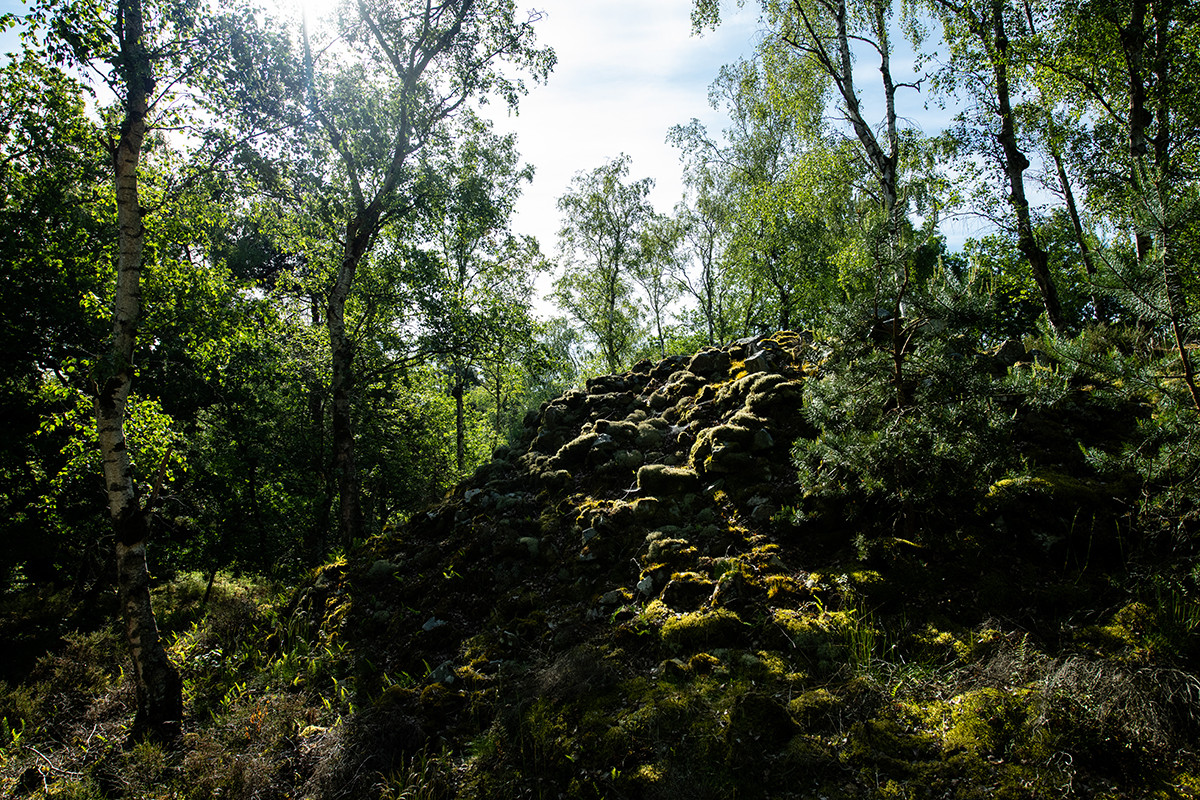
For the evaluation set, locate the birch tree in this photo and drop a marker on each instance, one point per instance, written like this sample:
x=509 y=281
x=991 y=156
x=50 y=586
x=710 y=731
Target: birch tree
x=986 y=61
x=161 y=61
x=604 y=218
x=380 y=91
x=829 y=36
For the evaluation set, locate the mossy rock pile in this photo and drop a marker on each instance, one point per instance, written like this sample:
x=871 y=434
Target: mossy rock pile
x=625 y=603
x=638 y=599
x=620 y=605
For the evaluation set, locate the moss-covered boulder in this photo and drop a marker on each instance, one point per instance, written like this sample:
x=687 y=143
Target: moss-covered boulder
x=657 y=480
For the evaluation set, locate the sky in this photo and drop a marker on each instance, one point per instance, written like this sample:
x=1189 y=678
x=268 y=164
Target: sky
x=627 y=71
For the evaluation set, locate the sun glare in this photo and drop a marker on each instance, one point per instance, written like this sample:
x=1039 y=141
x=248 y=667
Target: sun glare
x=316 y=11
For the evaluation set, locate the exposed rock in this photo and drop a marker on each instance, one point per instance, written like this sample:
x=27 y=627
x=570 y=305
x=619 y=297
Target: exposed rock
x=382 y=568
x=759 y=362
x=616 y=597
x=668 y=366
x=710 y=363
x=442 y=673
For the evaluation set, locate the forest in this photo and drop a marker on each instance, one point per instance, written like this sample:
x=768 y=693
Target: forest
x=308 y=491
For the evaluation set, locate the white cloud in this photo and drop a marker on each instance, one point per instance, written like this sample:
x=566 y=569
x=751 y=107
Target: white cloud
x=627 y=71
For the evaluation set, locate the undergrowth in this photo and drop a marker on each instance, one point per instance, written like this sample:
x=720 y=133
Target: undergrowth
x=259 y=701
x=990 y=589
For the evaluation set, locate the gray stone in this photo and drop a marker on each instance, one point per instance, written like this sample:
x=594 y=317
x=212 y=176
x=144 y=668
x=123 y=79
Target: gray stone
x=709 y=363
x=614 y=598
x=762 y=509
x=763 y=440
x=442 y=673
x=759 y=362
x=381 y=569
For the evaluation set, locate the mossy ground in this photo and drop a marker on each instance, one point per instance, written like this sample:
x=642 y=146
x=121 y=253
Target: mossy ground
x=557 y=633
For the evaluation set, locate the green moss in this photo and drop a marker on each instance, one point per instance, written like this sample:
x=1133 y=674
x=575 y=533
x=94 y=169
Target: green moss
x=704 y=663
x=661 y=548
x=1019 y=486
x=655 y=613
x=1063 y=490
x=687 y=590
x=773 y=395
x=775 y=667
x=932 y=645
x=1127 y=629
x=785 y=588
x=662 y=481
x=985 y=722
x=645 y=508
x=885 y=745
x=812 y=757
x=1137 y=618
x=1109 y=639
x=573 y=452
x=828 y=638
x=815 y=710
x=710 y=627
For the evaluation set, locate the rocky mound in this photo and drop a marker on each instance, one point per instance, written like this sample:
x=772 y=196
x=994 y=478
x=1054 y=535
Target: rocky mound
x=621 y=605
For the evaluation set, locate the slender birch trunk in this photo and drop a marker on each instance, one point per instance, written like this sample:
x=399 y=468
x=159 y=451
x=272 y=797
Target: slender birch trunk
x=159 y=695
x=1015 y=164
x=1099 y=307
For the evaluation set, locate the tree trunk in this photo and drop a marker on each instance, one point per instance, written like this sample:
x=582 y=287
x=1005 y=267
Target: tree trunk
x=345 y=466
x=1177 y=305
x=159 y=689
x=1176 y=309
x=1099 y=307
x=1133 y=47
x=1015 y=164
x=350 y=519
x=159 y=693
x=460 y=420
x=316 y=538
x=260 y=528
x=785 y=305
x=499 y=390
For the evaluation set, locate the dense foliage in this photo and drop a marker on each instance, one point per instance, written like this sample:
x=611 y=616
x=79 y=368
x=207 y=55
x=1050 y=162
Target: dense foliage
x=329 y=322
